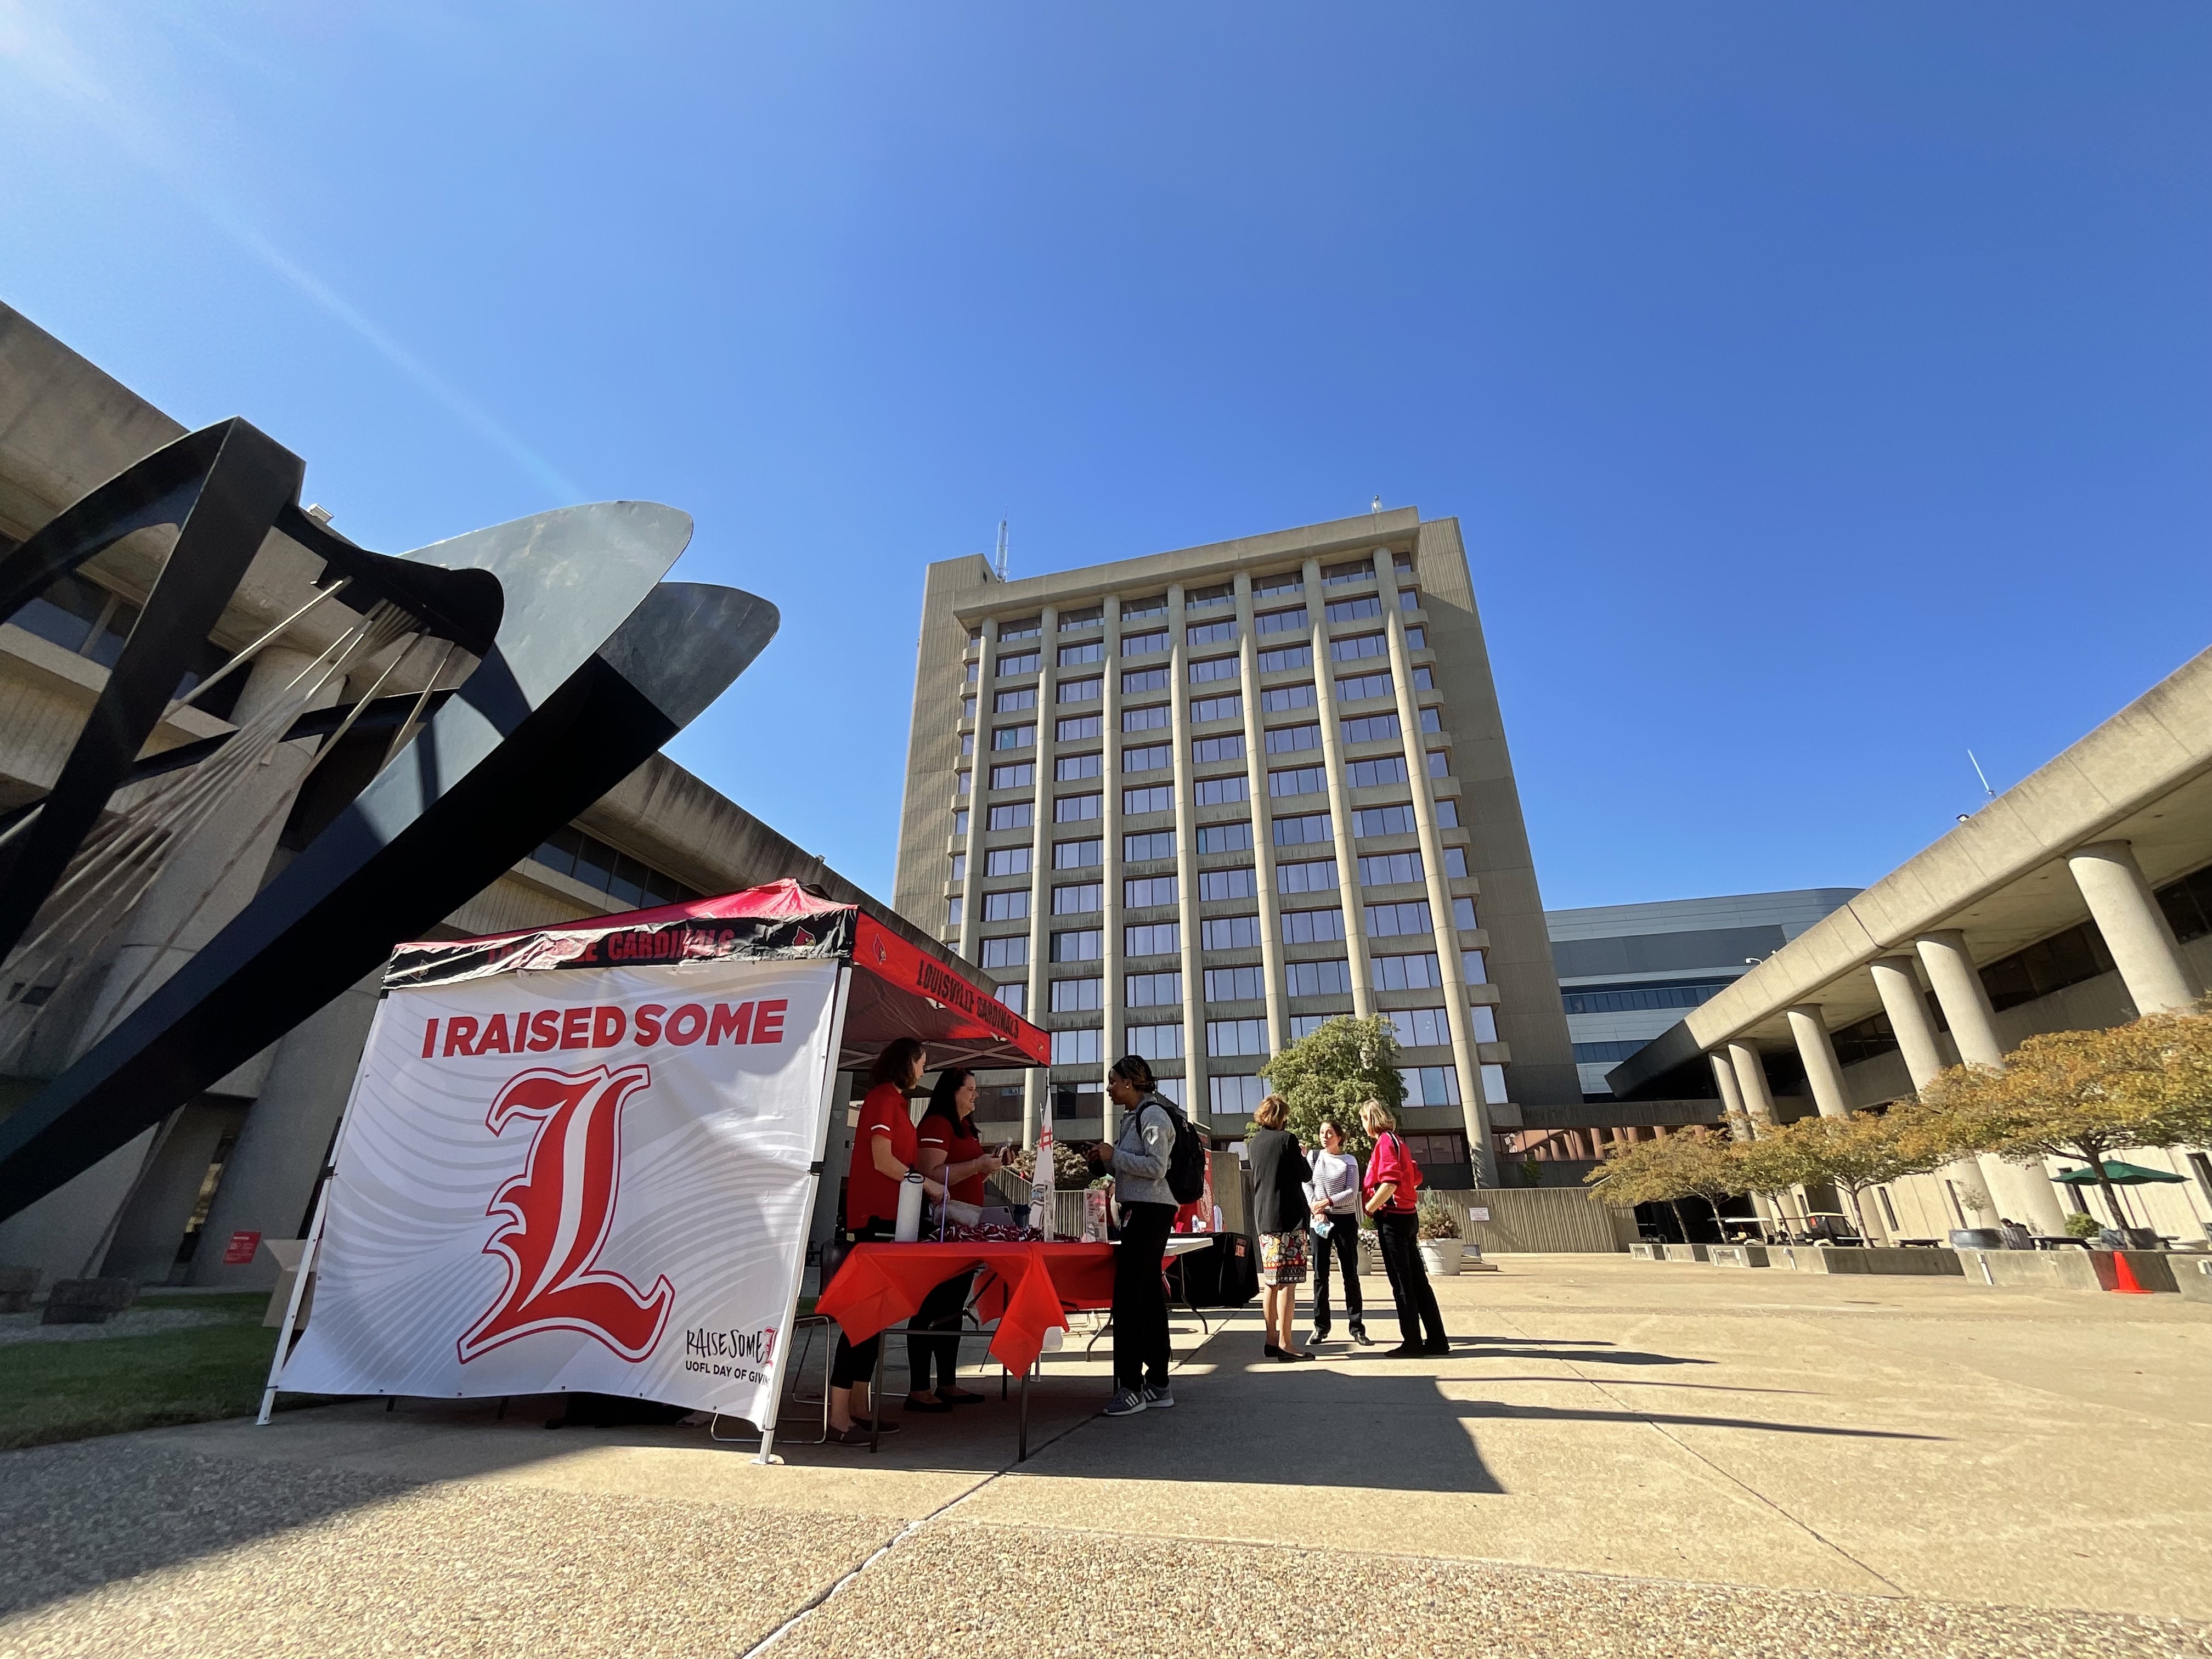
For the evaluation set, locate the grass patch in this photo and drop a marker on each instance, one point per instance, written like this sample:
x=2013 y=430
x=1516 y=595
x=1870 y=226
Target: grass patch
x=52 y=1391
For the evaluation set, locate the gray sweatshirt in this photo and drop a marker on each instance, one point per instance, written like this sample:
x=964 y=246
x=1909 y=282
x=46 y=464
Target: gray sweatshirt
x=1141 y=1152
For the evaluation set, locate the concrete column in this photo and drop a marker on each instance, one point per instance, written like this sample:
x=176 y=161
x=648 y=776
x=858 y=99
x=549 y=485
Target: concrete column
x=1965 y=1003
x=1340 y=798
x=1109 y=966
x=1824 y=1074
x=1467 y=1058
x=1751 y=1078
x=1724 y=1077
x=1195 y=1100
x=2136 y=931
x=1263 y=825
x=1898 y=984
x=979 y=775
x=1034 y=1081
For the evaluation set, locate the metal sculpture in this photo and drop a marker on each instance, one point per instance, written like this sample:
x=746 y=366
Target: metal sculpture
x=572 y=663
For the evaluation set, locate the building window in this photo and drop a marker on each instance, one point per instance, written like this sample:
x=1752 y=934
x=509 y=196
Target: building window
x=1025 y=627
x=1228 y=707
x=1482 y=1022
x=1641 y=999
x=1077 y=1048
x=960 y=781
x=1456 y=862
x=1012 y=703
x=1011 y=951
x=1073 y=809
x=1078 y=899
x=1156 y=1042
x=960 y=819
x=1303 y=780
x=1370 y=728
x=1304 y=1025
x=1072 y=769
x=1471 y=967
x=1160 y=797
x=1341 y=611
x=1606 y=1053
x=1494 y=1092
x=1304 y=829
x=1148 y=844
x=1013 y=816
x=1151 y=990
x=1151 y=939
x=1235 y=1096
x=1226 y=837
x=1358 y=687
x=1074 y=728
x=1417 y=639
x=1015 y=997
x=1020 y=774
x=1448 y=811
x=1224 y=791
x=1391 y=920
x=1283 y=581
x=1329 y=977
x=1229 y=933
x=1212 y=633
x=1312 y=926
x=1140 y=891
x=1013 y=737
x=1078 y=945
x=1235 y=984
x=1313 y=876
x=1359 y=646
x=967 y=744
x=569 y=852
x=1372 y=773
x=1285 y=656
x=1432 y=718
x=1147 y=757
x=1077 y=854
x=1213 y=668
x=1006 y=862
x=2051 y=964
x=971 y=673
x=1384 y=820
x=1421 y=1028
x=1203 y=750
x=1075 y=622
x=1143 y=645
x=1209 y=598
x=1022 y=662
x=1439 y=763
x=1236 y=1037
x=1402 y=560
x=1153 y=717
x=1288 y=739
x=1386 y=869
x=959 y=866
x=1236 y=882
x=1076 y=691
x=1280 y=622
x=1355 y=570
x=1281 y=699
x=1430 y=1085
x=967 y=708
x=1011 y=906
x=1141 y=609
x=1077 y=996
x=1463 y=915
x=1075 y=656
x=1420 y=971
x=954 y=910
x=1425 y=678
x=1135 y=680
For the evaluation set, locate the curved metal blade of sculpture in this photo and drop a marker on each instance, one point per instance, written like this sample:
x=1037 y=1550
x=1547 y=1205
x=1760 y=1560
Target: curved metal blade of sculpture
x=547 y=661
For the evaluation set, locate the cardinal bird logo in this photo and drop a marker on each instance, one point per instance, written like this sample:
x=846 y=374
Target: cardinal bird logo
x=554 y=1217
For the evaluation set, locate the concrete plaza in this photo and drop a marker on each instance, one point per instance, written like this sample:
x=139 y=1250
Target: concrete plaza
x=1619 y=1458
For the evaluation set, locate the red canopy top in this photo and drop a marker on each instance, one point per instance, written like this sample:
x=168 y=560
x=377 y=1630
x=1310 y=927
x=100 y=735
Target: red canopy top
x=898 y=990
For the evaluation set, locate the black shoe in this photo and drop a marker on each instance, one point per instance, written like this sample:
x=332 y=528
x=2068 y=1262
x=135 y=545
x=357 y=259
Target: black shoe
x=1359 y=1335
x=1404 y=1350
x=1272 y=1352
x=1442 y=1345
x=1321 y=1333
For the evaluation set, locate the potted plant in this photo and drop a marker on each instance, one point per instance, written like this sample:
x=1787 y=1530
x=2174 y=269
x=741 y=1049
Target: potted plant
x=1438 y=1232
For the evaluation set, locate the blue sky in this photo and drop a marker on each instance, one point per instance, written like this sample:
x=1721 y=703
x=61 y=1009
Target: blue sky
x=1822 y=390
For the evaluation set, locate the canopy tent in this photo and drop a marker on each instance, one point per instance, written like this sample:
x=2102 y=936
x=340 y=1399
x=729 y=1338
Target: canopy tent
x=897 y=989
x=2119 y=1174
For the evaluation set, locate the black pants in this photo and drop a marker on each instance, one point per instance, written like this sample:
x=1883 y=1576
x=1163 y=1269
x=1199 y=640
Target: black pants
x=855 y=1362
x=940 y=1309
x=1141 y=1296
x=1409 y=1280
x=1342 y=1243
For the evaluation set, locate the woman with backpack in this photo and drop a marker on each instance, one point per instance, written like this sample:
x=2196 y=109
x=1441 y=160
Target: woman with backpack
x=1140 y=1158
x=1392 y=1186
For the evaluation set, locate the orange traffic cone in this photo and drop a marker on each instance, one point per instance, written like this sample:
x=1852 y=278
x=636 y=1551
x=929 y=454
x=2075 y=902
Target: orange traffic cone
x=2124 y=1277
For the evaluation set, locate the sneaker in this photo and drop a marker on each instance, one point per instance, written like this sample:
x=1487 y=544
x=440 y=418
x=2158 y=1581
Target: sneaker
x=1158 y=1400
x=1125 y=1403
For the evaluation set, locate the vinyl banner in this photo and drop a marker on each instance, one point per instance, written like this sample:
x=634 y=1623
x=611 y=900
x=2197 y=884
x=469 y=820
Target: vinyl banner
x=594 y=1179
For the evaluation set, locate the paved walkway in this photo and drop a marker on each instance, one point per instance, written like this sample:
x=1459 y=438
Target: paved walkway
x=1619 y=1458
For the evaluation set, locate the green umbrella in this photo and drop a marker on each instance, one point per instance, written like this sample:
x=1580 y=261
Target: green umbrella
x=2119 y=1173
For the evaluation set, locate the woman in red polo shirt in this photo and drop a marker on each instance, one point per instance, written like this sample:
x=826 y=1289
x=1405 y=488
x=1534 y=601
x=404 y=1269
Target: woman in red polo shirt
x=951 y=1151
x=1393 y=1188
x=883 y=1150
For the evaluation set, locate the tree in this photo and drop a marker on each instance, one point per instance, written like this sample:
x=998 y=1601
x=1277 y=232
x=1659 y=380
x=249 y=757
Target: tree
x=1695 y=1163
x=1333 y=1071
x=1853 y=1154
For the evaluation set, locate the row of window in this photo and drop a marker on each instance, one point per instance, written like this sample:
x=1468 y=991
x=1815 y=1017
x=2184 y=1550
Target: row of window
x=1223 y=632
x=1413 y=916
x=1221 y=706
x=1354 y=648
x=1417 y=972
x=1229 y=746
x=1196 y=598
x=1238 y=881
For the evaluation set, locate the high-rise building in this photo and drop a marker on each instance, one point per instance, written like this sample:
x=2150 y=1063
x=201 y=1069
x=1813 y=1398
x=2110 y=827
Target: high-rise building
x=1194 y=804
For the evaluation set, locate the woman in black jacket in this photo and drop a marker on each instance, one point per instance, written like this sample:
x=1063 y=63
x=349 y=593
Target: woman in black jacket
x=1280 y=1211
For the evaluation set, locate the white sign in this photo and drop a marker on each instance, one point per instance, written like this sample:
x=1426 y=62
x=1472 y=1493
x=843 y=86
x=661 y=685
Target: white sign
x=1478 y=1213
x=590 y=1179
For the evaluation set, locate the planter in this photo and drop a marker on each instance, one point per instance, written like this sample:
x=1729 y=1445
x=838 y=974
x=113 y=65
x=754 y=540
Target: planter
x=1441 y=1256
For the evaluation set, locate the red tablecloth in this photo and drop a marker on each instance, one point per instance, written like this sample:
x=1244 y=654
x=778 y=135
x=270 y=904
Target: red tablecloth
x=1028 y=1286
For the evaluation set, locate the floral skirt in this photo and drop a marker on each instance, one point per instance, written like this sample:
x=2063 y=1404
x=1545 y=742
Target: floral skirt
x=1283 y=1257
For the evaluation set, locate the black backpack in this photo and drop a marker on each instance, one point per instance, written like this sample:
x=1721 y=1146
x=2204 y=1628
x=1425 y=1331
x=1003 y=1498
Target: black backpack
x=1187 y=1163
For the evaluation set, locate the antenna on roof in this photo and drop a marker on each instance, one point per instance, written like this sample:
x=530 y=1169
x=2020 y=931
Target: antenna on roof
x=1982 y=775
x=1001 y=561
